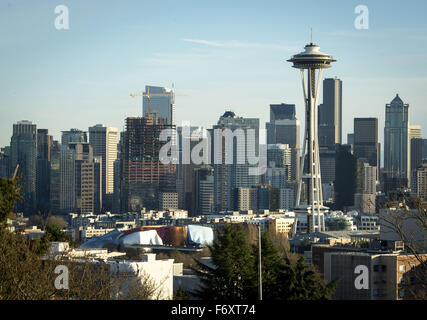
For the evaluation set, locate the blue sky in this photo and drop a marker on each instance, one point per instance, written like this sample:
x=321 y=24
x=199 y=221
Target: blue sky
x=222 y=54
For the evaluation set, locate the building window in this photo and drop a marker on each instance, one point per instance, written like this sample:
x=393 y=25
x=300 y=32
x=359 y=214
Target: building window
x=402 y=268
x=401 y=293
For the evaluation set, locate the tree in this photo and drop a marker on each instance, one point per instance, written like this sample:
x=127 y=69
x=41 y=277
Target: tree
x=10 y=193
x=25 y=274
x=233 y=274
x=409 y=226
x=283 y=280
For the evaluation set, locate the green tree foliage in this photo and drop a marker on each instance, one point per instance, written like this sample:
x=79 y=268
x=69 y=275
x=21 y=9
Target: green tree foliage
x=9 y=195
x=54 y=233
x=27 y=274
x=234 y=274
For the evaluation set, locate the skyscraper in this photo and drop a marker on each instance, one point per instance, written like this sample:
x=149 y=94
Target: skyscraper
x=366 y=140
x=84 y=173
x=143 y=175
x=163 y=106
x=55 y=178
x=44 y=143
x=67 y=180
x=188 y=138
x=103 y=140
x=204 y=189
x=396 y=142
x=73 y=136
x=284 y=128
x=229 y=176
x=5 y=162
x=330 y=113
x=414 y=131
x=416 y=160
x=421 y=178
x=23 y=147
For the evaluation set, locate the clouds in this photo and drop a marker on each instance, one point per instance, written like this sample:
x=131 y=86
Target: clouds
x=240 y=44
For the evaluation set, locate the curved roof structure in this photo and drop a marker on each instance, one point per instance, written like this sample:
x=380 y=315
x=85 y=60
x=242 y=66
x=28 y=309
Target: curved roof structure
x=312 y=58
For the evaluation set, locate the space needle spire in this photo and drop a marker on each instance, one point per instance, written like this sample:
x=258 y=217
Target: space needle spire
x=310 y=202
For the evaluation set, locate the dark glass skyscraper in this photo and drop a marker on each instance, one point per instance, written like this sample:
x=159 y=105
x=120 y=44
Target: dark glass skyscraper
x=44 y=143
x=396 y=141
x=23 y=146
x=73 y=136
x=330 y=113
x=284 y=128
x=366 y=145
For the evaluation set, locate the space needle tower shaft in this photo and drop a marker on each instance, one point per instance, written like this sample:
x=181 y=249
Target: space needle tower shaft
x=311 y=63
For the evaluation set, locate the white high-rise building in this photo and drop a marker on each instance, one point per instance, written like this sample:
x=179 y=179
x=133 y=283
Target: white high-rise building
x=370 y=181
x=103 y=140
x=414 y=132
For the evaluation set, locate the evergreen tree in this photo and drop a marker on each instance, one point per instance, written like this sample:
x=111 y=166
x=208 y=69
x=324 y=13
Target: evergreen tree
x=233 y=275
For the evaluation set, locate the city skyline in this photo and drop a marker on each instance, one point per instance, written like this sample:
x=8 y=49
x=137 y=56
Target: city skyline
x=219 y=68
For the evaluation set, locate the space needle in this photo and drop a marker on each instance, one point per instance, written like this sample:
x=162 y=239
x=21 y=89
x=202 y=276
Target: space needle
x=313 y=61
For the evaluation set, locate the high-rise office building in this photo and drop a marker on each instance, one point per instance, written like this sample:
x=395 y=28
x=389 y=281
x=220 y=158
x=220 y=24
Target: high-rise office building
x=103 y=140
x=349 y=177
x=327 y=157
x=279 y=161
x=245 y=199
x=188 y=138
x=228 y=176
x=98 y=179
x=330 y=113
x=416 y=159
x=279 y=156
x=117 y=179
x=142 y=174
x=75 y=184
x=204 y=189
x=397 y=143
x=55 y=178
x=73 y=136
x=366 y=145
x=67 y=180
x=284 y=128
x=162 y=102
x=44 y=143
x=421 y=181
x=85 y=184
x=424 y=149
x=414 y=131
x=23 y=148
x=5 y=162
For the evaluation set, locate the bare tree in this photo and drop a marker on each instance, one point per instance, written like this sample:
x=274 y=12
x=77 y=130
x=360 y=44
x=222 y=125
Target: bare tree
x=409 y=226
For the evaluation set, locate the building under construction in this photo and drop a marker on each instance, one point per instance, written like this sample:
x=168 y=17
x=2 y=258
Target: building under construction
x=143 y=175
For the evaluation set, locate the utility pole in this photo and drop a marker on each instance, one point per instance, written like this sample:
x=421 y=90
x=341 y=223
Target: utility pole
x=259 y=261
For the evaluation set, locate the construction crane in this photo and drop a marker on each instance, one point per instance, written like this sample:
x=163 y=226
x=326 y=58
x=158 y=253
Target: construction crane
x=15 y=172
x=149 y=95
